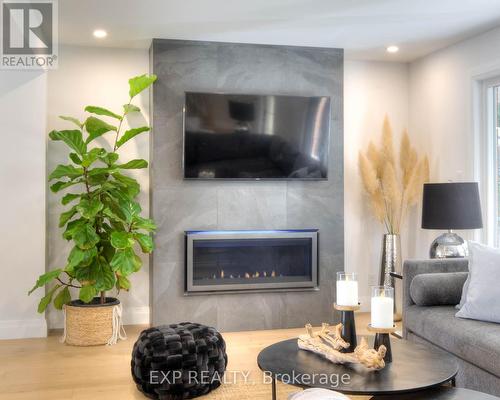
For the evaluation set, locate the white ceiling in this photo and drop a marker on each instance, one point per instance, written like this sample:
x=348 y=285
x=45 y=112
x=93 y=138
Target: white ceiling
x=363 y=27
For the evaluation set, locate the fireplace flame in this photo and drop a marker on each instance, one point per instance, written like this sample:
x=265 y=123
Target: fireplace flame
x=248 y=275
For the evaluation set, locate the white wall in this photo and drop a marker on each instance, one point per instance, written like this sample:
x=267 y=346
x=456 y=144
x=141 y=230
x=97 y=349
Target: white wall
x=371 y=90
x=97 y=76
x=441 y=109
x=22 y=245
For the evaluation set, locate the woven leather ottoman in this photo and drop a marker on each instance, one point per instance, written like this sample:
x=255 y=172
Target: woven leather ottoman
x=178 y=361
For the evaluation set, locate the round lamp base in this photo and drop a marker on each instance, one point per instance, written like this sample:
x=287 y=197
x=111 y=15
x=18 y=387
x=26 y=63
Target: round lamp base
x=449 y=245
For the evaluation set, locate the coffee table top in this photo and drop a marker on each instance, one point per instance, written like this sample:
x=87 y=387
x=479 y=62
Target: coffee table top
x=414 y=367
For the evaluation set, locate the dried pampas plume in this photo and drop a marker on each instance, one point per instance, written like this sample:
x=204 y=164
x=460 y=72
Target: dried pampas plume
x=387 y=146
x=392 y=192
x=368 y=175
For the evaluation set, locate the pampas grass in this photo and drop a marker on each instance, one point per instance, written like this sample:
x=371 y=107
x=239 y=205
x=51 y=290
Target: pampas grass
x=392 y=192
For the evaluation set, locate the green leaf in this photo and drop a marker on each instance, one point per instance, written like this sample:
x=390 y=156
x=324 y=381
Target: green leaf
x=144 y=223
x=112 y=216
x=102 y=111
x=88 y=209
x=129 y=209
x=129 y=108
x=74 y=157
x=125 y=261
x=73 y=138
x=81 y=257
x=145 y=241
x=97 y=127
x=100 y=171
x=123 y=283
x=109 y=158
x=140 y=83
x=130 y=134
x=68 y=198
x=66 y=171
x=134 y=164
x=45 y=278
x=108 y=251
x=62 y=298
x=87 y=293
x=72 y=227
x=85 y=236
x=66 y=216
x=105 y=277
x=60 y=185
x=130 y=184
x=121 y=240
x=47 y=299
x=73 y=120
x=89 y=158
x=97 y=180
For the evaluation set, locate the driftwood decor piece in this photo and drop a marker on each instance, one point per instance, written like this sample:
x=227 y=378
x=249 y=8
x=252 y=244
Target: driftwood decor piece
x=328 y=343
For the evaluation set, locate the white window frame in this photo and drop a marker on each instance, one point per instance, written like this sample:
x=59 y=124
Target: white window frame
x=485 y=157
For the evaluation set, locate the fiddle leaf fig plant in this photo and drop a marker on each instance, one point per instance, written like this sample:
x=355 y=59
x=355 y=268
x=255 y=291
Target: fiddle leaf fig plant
x=103 y=219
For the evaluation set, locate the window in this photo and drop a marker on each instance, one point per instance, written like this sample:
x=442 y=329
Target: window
x=488 y=161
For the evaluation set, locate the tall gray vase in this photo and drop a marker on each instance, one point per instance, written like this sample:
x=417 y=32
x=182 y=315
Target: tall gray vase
x=391 y=262
x=391 y=258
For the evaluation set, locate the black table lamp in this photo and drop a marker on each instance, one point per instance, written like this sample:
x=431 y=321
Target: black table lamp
x=451 y=206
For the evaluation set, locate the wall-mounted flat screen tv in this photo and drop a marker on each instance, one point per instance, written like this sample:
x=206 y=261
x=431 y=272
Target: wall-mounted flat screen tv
x=240 y=136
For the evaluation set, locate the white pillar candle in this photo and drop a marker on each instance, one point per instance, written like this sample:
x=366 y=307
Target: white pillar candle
x=347 y=293
x=382 y=312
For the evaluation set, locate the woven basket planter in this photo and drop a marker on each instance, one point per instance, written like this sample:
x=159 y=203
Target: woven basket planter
x=89 y=324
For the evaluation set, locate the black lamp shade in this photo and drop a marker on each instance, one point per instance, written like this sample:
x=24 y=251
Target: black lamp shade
x=451 y=206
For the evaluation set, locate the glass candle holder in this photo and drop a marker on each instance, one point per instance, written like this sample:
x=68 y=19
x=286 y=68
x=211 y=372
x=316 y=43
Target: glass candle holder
x=347 y=289
x=382 y=310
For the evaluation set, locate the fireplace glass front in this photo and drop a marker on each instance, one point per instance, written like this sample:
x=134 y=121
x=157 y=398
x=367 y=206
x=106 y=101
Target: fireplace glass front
x=251 y=260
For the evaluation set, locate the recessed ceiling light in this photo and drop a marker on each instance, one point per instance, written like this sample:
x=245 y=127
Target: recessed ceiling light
x=392 y=49
x=100 y=33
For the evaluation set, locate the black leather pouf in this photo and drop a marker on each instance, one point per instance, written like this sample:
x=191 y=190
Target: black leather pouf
x=178 y=361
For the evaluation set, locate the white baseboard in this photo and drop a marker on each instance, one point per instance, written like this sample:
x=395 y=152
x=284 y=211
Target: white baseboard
x=23 y=328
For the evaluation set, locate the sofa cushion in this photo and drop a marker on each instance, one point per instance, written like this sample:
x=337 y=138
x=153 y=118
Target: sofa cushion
x=474 y=341
x=437 y=289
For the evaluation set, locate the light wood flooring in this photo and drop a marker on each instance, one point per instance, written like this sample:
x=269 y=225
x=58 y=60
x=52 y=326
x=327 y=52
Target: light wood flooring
x=46 y=369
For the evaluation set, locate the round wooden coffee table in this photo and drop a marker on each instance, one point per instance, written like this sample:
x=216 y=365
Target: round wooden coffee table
x=414 y=367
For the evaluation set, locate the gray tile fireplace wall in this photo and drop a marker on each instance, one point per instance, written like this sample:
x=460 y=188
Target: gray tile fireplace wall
x=178 y=205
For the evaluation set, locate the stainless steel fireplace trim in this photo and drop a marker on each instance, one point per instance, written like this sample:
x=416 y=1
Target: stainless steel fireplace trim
x=251 y=287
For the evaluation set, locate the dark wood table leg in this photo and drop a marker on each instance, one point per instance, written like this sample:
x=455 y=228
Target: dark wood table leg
x=453 y=382
x=273 y=388
x=384 y=339
x=348 y=330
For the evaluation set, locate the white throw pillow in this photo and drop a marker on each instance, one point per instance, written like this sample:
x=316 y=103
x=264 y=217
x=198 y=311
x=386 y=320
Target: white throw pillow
x=483 y=291
x=317 y=394
x=464 y=288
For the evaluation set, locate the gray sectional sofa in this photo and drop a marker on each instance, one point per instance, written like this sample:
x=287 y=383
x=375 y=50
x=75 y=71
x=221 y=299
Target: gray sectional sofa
x=429 y=318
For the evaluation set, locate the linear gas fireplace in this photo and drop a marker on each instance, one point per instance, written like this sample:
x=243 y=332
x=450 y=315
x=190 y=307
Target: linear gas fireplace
x=228 y=261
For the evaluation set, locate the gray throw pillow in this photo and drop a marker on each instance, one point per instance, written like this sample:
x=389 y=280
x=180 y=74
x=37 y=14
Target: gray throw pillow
x=483 y=293
x=437 y=289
